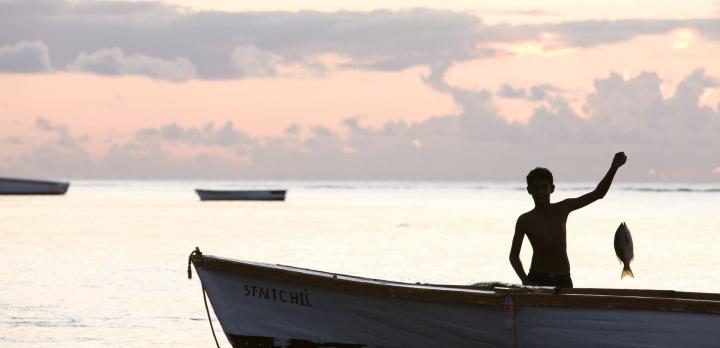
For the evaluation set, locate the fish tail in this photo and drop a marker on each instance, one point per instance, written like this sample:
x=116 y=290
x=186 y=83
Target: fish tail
x=627 y=272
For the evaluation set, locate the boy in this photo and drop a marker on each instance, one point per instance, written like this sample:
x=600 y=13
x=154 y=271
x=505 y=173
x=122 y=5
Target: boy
x=545 y=227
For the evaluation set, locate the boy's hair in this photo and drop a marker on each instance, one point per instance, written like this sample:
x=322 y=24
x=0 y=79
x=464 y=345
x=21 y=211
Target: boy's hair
x=539 y=173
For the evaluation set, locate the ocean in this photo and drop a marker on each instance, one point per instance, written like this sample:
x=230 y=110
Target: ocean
x=106 y=264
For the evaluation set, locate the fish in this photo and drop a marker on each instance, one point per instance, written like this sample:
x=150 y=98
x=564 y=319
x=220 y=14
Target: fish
x=624 y=249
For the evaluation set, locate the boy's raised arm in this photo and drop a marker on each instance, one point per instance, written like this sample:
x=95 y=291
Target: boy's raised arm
x=515 y=252
x=602 y=187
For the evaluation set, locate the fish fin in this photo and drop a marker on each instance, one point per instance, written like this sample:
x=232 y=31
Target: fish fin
x=627 y=272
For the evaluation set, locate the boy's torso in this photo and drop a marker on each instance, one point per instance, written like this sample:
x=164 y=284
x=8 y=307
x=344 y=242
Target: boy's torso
x=545 y=228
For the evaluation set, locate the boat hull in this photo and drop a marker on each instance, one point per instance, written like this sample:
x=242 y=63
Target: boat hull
x=263 y=312
x=582 y=327
x=10 y=186
x=241 y=195
x=281 y=306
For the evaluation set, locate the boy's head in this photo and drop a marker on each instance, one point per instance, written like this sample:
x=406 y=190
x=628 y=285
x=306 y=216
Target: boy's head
x=539 y=181
x=537 y=173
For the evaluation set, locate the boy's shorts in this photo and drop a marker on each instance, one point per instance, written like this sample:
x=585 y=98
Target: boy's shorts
x=549 y=279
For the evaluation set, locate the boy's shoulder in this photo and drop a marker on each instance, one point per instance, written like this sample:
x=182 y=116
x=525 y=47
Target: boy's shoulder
x=533 y=212
x=526 y=215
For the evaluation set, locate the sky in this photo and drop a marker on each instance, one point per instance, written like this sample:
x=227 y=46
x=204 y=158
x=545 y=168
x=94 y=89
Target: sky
x=359 y=90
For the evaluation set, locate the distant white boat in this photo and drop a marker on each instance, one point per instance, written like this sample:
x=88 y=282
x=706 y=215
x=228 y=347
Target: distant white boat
x=13 y=186
x=267 y=305
x=241 y=195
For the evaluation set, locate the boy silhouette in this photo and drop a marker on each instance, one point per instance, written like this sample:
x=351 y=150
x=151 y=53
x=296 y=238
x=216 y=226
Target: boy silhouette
x=544 y=226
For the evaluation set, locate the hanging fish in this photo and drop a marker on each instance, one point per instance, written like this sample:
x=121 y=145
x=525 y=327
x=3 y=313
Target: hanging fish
x=624 y=249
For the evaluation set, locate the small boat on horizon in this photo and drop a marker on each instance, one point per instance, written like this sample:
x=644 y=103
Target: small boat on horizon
x=241 y=195
x=16 y=186
x=268 y=305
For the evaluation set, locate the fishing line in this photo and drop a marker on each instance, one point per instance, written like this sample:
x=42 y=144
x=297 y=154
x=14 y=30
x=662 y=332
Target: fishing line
x=621 y=195
x=622 y=199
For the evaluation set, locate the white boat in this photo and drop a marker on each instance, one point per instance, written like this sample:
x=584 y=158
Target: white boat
x=241 y=195
x=266 y=305
x=11 y=186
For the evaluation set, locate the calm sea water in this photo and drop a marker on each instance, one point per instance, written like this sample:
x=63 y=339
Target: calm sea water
x=105 y=265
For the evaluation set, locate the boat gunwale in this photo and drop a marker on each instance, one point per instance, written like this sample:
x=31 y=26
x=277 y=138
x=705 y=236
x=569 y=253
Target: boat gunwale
x=47 y=187
x=274 y=192
x=493 y=294
x=229 y=195
x=33 y=181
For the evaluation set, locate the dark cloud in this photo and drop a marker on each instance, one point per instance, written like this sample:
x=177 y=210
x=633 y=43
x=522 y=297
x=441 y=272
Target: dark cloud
x=163 y=41
x=25 y=57
x=592 y=33
x=536 y=92
x=507 y=91
x=248 y=60
x=540 y=92
x=115 y=62
x=221 y=44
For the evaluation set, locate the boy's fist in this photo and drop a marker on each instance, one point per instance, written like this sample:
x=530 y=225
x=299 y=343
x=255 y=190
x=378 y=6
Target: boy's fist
x=619 y=159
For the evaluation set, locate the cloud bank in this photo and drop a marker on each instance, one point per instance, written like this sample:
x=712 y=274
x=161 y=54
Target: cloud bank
x=166 y=42
x=671 y=139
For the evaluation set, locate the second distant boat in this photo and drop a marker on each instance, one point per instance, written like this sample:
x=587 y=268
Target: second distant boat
x=241 y=195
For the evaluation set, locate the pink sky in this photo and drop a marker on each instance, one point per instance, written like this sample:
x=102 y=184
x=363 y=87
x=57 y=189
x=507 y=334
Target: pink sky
x=100 y=105
x=109 y=109
x=262 y=106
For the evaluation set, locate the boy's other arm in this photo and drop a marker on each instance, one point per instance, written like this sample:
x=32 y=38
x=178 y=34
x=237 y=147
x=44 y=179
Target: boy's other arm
x=515 y=252
x=602 y=188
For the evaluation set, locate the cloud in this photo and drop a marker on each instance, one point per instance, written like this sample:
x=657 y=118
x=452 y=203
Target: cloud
x=64 y=138
x=673 y=138
x=215 y=41
x=13 y=140
x=251 y=61
x=113 y=61
x=53 y=152
x=147 y=160
x=592 y=33
x=226 y=135
x=507 y=91
x=536 y=92
x=636 y=111
x=172 y=43
x=25 y=57
x=505 y=12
